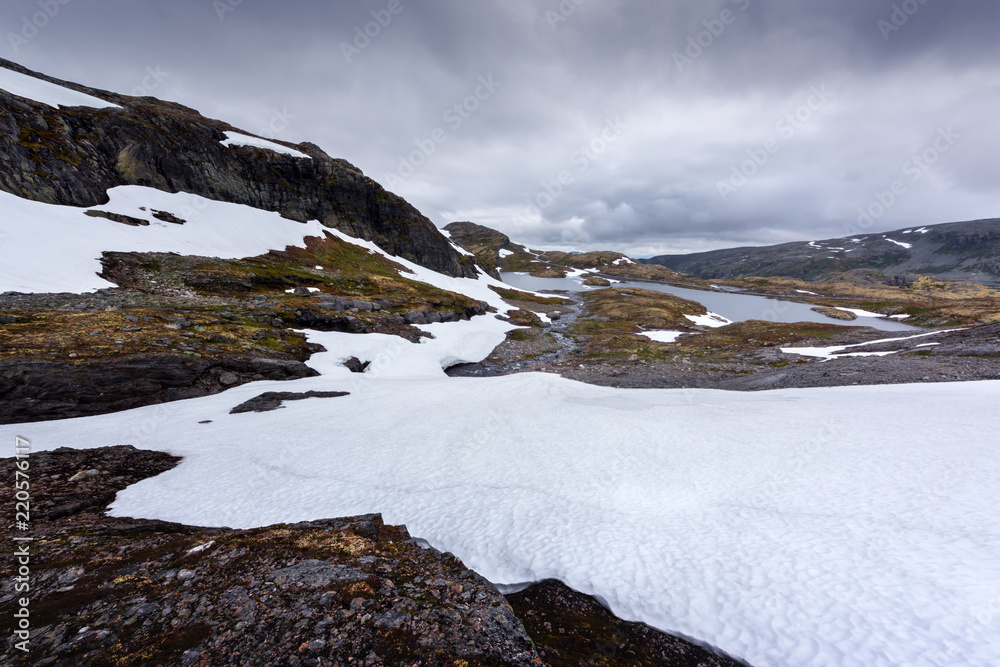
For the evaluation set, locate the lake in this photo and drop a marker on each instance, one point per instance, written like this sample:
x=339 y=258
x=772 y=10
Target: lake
x=731 y=305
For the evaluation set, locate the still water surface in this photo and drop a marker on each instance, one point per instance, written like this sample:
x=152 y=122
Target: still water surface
x=731 y=305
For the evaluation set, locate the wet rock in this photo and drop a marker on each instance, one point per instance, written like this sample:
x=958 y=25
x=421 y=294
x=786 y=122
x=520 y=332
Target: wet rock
x=355 y=365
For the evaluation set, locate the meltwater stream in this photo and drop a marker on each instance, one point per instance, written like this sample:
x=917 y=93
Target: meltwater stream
x=733 y=306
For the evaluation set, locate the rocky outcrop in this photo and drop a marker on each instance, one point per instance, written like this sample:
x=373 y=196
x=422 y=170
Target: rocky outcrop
x=483 y=242
x=72 y=156
x=43 y=390
x=133 y=592
x=572 y=629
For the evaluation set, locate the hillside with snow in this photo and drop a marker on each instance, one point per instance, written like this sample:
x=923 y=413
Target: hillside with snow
x=967 y=251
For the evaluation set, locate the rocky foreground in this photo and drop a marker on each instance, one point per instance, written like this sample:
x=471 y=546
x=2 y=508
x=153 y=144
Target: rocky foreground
x=348 y=591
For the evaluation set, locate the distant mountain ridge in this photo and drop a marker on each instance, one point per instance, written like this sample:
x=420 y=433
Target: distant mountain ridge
x=967 y=251
x=73 y=155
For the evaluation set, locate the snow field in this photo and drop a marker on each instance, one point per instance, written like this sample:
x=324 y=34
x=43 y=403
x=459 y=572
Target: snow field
x=49 y=248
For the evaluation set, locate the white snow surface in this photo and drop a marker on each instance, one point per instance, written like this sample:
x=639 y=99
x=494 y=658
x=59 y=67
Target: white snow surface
x=709 y=320
x=901 y=244
x=49 y=248
x=505 y=253
x=239 y=139
x=802 y=291
x=664 y=336
x=751 y=521
x=48 y=93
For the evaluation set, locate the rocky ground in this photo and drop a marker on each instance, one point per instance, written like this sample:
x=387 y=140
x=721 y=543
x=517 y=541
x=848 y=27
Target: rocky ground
x=349 y=591
x=571 y=629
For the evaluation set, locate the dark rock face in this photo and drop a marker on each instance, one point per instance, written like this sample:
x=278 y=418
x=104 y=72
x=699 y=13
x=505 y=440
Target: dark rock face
x=42 y=390
x=968 y=251
x=132 y=592
x=72 y=156
x=572 y=629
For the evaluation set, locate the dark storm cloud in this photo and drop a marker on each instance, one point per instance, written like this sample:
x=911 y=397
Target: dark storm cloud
x=635 y=125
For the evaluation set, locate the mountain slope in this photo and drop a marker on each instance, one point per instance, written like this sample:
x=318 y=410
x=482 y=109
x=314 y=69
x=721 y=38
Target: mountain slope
x=968 y=251
x=74 y=155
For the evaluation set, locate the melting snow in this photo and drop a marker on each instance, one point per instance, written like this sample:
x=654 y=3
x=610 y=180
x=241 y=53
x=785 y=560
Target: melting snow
x=838 y=351
x=505 y=253
x=901 y=244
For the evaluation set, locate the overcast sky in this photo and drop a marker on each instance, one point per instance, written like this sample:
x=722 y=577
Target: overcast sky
x=645 y=126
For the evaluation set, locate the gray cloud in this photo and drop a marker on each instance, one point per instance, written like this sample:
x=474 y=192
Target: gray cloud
x=559 y=72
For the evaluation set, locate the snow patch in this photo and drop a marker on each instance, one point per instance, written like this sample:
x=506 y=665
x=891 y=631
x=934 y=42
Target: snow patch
x=238 y=139
x=901 y=244
x=664 y=336
x=48 y=93
x=709 y=320
x=859 y=312
x=838 y=351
